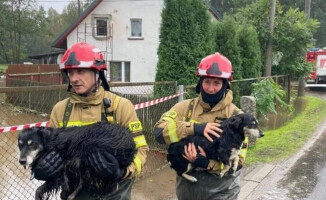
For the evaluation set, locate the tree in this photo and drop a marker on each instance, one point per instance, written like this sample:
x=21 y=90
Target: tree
x=229 y=6
x=15 y=23
x=250 y=52
x=185 y=38
x=317 y=11
x=227 y=43
x=293 y=36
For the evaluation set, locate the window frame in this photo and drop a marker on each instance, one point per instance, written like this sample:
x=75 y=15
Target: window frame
x=97 y=19
x=122 y=70
x=132 y=33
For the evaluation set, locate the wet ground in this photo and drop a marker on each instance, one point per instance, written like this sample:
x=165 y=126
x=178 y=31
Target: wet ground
x=301 y=177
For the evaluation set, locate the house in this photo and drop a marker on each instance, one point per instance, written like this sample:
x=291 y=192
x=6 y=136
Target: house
x=51 y=57
x=127 y=32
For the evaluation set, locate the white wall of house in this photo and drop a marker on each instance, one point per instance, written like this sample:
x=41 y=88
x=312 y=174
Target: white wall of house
x=141 y=52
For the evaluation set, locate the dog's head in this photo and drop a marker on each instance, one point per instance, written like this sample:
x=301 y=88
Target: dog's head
x=31 y=144
x=248 y=124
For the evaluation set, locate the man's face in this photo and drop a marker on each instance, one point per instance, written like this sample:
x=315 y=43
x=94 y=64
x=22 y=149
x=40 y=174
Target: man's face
x=82 y=80
x=212 y=85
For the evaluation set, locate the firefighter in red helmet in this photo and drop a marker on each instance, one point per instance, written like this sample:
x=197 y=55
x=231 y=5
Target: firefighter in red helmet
x=202 y=116
x=90 y=101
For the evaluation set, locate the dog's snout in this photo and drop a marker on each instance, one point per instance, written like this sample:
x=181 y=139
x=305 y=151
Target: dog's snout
x=22 y=161
x=261 y=134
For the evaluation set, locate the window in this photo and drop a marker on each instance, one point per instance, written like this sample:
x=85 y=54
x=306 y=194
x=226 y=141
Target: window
x=136 y=27
x=120 y=71
x=101 y=26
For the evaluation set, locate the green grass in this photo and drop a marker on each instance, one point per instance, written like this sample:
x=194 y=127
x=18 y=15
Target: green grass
x=3 y=67
x=285 y=141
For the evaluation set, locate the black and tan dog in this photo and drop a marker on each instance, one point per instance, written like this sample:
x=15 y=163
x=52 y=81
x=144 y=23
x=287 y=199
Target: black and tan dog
x=75 y=144
x=224 y=149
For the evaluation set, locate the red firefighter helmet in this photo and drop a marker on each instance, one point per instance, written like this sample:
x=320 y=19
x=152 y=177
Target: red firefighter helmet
x=83 y=55
x=215 y=65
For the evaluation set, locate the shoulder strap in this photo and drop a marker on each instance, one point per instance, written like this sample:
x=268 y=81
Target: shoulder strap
x=111 y=116
x=67 y=113
x=116 y=102
x=189 y=111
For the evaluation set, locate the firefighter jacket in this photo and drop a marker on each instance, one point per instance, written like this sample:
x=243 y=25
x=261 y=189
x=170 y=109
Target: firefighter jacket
x=179 y=121
x=88 y=110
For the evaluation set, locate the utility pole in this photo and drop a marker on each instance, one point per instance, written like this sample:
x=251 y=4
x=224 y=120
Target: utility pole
x=78 y=8
x=269 y=51
x=307 y=6
x=301 y=83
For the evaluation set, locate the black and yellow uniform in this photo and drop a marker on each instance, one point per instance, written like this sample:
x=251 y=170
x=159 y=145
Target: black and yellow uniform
x=88 y=110
x=178 y=123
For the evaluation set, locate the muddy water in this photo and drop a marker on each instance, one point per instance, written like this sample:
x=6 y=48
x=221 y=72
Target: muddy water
x=274 y=121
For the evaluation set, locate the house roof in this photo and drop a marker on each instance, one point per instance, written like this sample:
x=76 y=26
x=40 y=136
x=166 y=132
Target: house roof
x=53 y=52
x=214 y=12
x=61 y=41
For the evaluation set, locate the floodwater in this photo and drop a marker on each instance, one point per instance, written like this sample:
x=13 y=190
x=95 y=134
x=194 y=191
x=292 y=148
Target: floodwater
x=308 y=173
x=306 y=179
x=303 y=176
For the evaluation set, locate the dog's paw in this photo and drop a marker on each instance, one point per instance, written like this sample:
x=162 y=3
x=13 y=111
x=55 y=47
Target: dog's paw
x=189 y=178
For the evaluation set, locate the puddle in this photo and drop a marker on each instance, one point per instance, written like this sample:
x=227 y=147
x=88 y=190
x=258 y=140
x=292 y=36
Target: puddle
x=275 y=121
x=307 y=173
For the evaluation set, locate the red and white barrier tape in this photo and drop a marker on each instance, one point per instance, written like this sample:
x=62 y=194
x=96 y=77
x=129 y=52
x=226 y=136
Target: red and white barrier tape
x=38 y=124
x=21 y=127
x=155 y=101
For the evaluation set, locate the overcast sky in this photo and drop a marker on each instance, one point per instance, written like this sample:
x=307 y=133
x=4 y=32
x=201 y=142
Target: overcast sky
x=58 y=5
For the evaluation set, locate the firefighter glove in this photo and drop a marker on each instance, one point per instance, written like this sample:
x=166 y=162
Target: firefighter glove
x=106 y=165
x=48 y=166
x=201 y=161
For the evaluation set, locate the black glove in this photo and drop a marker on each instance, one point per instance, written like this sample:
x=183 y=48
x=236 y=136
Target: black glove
x=201 y=161
x=106 y=165
x=48 y=165
x=199 y=129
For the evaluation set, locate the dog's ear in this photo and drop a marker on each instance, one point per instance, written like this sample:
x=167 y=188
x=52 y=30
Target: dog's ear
x=44 y=132
x=236 y=122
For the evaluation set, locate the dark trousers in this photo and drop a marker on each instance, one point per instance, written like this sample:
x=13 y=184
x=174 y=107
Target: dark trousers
x=209 y=187
x=123 y=192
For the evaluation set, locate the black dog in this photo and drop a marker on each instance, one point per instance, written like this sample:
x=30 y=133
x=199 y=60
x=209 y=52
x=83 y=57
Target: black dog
x=75 y=144
x=224 y=149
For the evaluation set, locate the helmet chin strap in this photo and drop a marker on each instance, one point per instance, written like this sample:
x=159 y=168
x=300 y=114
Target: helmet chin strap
x=105 y=83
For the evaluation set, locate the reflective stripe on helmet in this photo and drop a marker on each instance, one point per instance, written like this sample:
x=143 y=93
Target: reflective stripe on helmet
x=215 y=65
x=83 y=55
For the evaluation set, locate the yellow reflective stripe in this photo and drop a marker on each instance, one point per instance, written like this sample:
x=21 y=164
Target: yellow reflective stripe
x=140 y=141
x=116 y=102
x=135 y=126
x=110 y=119
x=243 y=151
x=172 y=114
x=172 y=129
x=137 y=163
x=76 y=123
x=221 y=165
